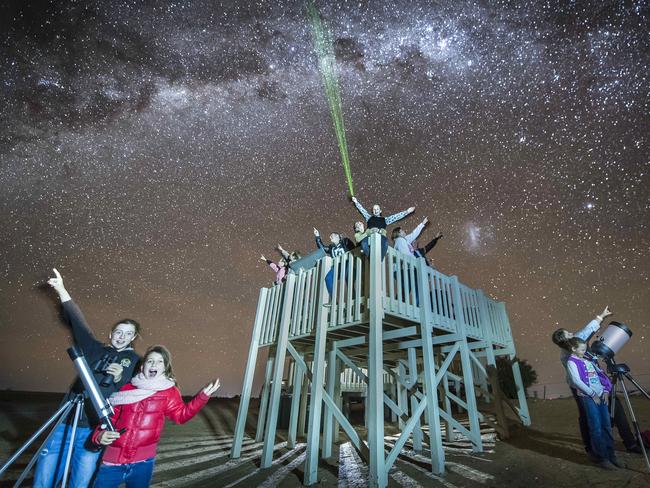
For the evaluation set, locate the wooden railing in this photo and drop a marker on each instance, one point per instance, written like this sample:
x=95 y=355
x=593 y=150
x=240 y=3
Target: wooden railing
x=452 y=309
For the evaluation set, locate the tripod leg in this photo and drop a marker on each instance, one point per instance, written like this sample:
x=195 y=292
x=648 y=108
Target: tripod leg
x=612 y=402
x=636 y=424
x=68 y=458
x=61 y=414
x=638 y=386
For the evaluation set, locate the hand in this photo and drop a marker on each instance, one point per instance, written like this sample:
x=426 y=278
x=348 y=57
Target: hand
x=354 y=199
x=57 y=284
x=425 y=221
x=316 y=233
x=606 y=399
x=597 y=400
x=411 y=210
x=212 y=387
x=107 y=437
x=262 y=257
x=439 y=235
x=115 y=370
x=57 y=281
x=605 y=313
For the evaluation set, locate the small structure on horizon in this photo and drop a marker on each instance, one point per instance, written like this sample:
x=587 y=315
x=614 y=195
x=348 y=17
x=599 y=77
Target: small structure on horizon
x=405 y=335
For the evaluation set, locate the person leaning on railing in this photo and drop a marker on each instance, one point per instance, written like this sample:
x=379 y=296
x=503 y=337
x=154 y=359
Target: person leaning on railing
x=338 y=246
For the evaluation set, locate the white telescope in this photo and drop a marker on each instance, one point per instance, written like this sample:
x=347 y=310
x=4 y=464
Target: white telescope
x=612 y=340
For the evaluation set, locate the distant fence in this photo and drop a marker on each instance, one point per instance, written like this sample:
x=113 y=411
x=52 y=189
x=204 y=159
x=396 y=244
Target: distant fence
x=560 y=389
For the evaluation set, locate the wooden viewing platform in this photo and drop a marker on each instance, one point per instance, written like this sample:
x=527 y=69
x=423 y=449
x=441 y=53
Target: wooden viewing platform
x=413 y=336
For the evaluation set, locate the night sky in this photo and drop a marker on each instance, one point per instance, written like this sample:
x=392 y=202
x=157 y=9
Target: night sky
x=151 y=151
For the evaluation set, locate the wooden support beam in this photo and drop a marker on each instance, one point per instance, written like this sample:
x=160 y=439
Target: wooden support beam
x=249 y=376
x=278 y=373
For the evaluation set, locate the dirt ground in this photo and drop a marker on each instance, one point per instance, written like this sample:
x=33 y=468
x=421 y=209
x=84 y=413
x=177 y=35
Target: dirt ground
x=548 y=453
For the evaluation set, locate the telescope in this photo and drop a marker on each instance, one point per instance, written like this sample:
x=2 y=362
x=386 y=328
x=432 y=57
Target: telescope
x=611 y=341
x=99 y=402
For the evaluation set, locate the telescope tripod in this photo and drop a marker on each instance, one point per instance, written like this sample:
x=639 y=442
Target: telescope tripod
x=620 y=372
x=59 y=416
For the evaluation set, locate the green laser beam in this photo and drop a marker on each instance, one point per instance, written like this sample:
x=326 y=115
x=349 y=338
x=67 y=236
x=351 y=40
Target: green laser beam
x=327 y=66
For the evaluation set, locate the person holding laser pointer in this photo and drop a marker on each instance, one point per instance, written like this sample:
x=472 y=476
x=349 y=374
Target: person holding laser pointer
x=113 y=365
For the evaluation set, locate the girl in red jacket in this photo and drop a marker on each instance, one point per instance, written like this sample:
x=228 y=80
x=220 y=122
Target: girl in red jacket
x=140 y=410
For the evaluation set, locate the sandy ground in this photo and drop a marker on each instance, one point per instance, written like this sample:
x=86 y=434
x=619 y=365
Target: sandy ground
x=549 y=453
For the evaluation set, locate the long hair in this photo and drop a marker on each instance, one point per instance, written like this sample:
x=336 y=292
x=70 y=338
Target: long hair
x=167 y=358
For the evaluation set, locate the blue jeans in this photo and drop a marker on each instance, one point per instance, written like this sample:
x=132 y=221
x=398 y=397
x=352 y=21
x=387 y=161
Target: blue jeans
x=600 y=429
x=329 y=279
x=51 y=461
x=365 y=246
x=134 y=475
x=582 y=421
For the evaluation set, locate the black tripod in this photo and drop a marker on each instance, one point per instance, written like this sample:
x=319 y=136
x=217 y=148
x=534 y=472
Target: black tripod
x=59 y=416
x=619 y=373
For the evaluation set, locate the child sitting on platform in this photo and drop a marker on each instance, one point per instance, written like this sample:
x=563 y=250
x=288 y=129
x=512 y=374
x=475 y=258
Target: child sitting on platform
x=378 y=223
x=140 y=410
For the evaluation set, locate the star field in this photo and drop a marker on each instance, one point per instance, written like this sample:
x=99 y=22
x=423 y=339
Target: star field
x=152 y=151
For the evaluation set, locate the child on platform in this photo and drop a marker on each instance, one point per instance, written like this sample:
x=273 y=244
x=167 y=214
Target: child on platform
x=140 y=410
x=339 y=245
x=378 y=223
x=281 y=269
x=593 y=386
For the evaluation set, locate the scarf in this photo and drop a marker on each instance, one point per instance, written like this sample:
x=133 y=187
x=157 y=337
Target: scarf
x=145 y=387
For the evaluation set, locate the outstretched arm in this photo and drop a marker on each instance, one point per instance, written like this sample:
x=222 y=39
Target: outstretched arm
x=417 y=231
x=592 y=326
x=180 y=412
x=360 y=208
x=433 y=243
x=284 y=253
x=319 y=241
x=391 y=219
x=81 y=332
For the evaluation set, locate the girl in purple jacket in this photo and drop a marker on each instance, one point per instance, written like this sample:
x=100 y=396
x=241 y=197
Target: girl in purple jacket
x=593 y=386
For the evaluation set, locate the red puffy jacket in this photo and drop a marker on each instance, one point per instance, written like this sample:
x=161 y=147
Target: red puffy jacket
x=144 y=421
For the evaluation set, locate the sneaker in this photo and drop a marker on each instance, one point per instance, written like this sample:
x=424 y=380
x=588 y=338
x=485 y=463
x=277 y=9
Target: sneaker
x=635 y=449
x=605 y=464
x=617 y=463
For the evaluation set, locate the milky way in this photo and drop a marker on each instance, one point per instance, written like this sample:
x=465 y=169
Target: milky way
x=151 y=153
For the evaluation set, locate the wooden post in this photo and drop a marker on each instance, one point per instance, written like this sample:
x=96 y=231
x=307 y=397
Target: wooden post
x=429 y=373
x=375 y=398
x=466 y=362
x=276 y=384
x=318 y=377
x=298 y=378
x=249 y=376
x=264 y=396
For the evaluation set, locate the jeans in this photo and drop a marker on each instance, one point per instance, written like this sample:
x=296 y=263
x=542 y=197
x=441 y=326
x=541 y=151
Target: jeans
x=51 y=460
x=600 y=428
x=582 y=421
x=412 y=286
x=365 y=246
x=329 y=279
x=134 y=475
x=623 y=426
